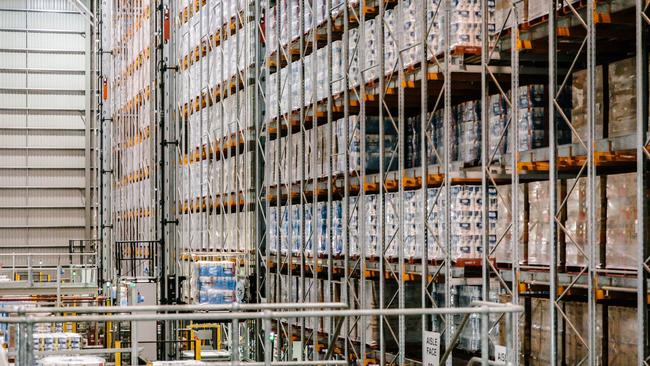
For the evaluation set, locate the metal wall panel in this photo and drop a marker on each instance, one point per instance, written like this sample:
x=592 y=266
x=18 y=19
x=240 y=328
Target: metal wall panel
x=41 y=198
x=12 y=60
x=54 y=101
x=38 y=4
x=12 y=80
x=41 y=178
x=56 y=61
x=65 y=22
x=43 y=151
x=43 y=139
x=53 y=81
x=12 y=40
x=9 y=19
x=55 y=41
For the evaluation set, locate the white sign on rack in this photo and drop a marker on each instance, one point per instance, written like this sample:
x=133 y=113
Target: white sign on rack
x=431 y=348
x=500 y=353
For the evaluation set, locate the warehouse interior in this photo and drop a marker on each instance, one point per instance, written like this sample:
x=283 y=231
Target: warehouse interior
x=324 y=182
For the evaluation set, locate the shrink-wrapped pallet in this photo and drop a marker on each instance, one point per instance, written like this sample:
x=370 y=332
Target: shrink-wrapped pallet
x=579 y=112
x=469 y=131
x=621 y=221
x=538 y=225
x=622 y=97
x=577 y=223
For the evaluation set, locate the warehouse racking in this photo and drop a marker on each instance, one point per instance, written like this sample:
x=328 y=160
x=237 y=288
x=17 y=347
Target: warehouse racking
x=315 y=138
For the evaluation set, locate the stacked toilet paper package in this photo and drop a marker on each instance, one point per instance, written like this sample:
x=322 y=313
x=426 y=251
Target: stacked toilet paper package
x=214 y=282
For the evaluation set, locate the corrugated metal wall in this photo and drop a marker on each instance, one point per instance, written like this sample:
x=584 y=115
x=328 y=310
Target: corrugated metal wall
x=43 y=113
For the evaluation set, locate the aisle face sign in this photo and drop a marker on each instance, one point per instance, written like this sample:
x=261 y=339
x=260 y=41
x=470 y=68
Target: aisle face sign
x=431 y=348
x=500 y=353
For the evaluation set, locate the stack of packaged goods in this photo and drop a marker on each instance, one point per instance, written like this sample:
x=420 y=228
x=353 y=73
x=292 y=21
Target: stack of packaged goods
x=466 y=217
x=538 y=223
x=539 y=335
x=469 y=132
x=57 y=341
x=498 y=117
x=215 y=53
x=438 y=132
x=214 y=282
x=621 y=221
x=131 y=106
x=622 y=342
x=532 y=121
x=371 y=232
x=580 y=104
x=463 y=296
x=466 y=24
x=622 y=97
x=577 y=225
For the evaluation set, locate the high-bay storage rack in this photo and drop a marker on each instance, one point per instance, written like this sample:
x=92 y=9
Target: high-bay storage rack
x=369 y=152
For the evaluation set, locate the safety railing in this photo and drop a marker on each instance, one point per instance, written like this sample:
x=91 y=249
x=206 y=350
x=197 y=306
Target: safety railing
x=24 y=319
x=48 y=267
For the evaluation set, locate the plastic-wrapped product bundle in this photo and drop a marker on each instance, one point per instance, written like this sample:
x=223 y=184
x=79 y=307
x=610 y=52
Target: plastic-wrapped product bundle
x=370 y=70
x=390 y=45
x=391 y=224
x=577 y=222
x=294 y=18
x=532 y=121
x=353 y=58
x=434 y=14
x=503 y=252
x=538 y=223
x=498 y=114
x=469 y=134
x=271 y=29
x=579 y=103
x=623 y=341
x=281 y=11
x=470 y=338
x=372 y=144
x=337 y=227
x=337 y=67
x=435 y=223
x=271 y=96
x=540 y=341
x=439 y=136
x=411 y=32
x=214 y=282
x=320 y=63
x=413 y=230
x=621 y=221
x=371 y=232
x=466 y=218
x=413 y=142
x=320 y=225
x=273 y=230
x=622 y=96
x=353 y=227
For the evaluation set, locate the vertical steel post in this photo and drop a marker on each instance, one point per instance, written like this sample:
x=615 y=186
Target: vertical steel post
x=514 y=194
x=643 y=330
x=591 y=183
x=447 y=169
x=552 y=47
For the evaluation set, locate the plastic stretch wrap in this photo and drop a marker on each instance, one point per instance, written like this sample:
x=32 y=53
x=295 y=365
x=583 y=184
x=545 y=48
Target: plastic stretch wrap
x=214 y=282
